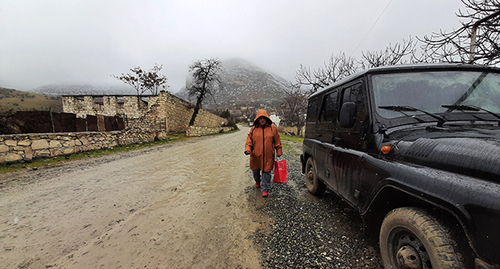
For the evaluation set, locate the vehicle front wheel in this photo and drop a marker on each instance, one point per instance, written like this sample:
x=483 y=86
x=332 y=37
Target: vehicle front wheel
x=314 y=185
x=411 y=238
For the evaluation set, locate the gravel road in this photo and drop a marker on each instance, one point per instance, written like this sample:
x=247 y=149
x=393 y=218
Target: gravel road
x=190 y=204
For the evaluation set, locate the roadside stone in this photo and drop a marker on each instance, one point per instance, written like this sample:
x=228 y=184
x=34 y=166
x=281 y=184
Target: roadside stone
x=43 y=153
x=24 y=143
x=69 y=150
x=4 y=148
x=55 y=144
x=12 y=157
x=70 y=143
x=10 y=142
x=84 y=141
x=28 y=154
x=56 y=152
x=39 y=144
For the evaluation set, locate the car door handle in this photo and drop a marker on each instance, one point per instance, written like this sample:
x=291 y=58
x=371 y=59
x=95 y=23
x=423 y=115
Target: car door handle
x=337 y=140
x=319 y=135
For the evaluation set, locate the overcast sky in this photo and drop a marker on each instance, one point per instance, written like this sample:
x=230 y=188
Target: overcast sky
x=45 y=42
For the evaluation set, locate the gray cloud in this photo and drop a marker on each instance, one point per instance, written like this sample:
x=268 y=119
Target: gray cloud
x=82 y=41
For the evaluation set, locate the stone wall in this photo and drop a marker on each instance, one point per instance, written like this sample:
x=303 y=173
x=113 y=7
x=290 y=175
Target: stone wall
x=145 y=122
x=26 y=147
x=199 y=131
x=104 y=105
x=164 y=112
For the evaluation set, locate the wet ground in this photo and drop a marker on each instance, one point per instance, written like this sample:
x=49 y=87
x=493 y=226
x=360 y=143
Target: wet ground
x=186 y=205
x=311 y=232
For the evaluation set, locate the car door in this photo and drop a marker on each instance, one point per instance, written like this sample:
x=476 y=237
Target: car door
x=326 y=125
x=349 y=144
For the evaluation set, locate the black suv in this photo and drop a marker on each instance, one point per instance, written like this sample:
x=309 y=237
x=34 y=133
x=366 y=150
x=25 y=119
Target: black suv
x=416 y=151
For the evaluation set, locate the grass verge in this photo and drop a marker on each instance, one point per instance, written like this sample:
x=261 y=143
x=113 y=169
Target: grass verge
x=297 y=139
x=36 y=163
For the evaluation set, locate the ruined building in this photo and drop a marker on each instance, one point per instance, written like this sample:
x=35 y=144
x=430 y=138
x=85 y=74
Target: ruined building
x=146 y=119
x=164 y=113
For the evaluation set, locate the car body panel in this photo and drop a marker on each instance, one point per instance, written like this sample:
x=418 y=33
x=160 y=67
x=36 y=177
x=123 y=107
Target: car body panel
x=451 y=165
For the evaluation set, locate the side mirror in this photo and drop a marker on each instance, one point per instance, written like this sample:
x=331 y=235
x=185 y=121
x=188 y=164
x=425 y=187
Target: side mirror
x=348 y=115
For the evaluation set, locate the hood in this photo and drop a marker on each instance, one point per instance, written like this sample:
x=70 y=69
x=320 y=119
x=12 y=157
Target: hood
x=262 y=113
x=472 y=156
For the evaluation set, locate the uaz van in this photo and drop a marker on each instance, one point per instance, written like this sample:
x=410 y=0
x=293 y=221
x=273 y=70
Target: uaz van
x=416 y=151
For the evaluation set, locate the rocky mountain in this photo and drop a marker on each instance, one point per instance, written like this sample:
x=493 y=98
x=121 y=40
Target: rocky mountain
x=244 y=84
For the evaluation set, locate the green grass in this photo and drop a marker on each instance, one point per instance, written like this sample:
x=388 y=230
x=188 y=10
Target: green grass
x=37 y=163
x=296 y=139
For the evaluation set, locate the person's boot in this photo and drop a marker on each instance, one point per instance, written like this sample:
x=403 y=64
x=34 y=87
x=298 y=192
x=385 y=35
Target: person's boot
x=257 y=185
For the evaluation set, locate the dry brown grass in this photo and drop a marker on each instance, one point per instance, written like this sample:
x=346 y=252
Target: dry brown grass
x=287 y=130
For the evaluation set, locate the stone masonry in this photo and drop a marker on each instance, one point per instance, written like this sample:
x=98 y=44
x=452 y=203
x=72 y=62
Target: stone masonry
x=145 y=122
x=14 y=148
x=164 y=112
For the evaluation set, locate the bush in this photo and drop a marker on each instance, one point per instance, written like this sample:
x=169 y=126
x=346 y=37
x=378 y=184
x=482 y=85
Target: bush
x=231 y=123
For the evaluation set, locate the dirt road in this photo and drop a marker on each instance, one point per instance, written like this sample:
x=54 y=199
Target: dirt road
x=179 y=206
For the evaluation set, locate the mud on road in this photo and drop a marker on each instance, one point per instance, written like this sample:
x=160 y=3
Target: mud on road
x=190 y=204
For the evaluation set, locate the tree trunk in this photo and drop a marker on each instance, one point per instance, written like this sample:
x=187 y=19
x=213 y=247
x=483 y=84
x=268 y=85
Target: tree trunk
x=196 y=110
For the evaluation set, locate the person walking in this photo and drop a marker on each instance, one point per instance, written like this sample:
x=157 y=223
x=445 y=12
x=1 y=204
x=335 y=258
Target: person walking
x=262 y=141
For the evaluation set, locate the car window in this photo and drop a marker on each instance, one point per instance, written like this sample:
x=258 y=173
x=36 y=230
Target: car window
x=428 y=91
x=313 y=108
x=329 y=107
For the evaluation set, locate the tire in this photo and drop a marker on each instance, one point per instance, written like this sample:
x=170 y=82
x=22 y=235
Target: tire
x=411 y=238
x=314 y=185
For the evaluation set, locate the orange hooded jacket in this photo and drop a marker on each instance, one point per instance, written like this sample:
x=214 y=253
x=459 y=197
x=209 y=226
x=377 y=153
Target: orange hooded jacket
x=261 y=142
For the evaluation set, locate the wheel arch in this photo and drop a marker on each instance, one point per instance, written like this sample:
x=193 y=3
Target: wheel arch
x=304 y=157
x=392 y=197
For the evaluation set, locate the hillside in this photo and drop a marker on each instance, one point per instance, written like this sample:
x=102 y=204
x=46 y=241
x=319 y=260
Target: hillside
x=244 y=83
x=19 y=100
x=246 y=89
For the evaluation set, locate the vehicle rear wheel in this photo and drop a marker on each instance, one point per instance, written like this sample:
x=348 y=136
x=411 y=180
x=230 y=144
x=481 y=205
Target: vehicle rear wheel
x=411 y=238
x=314 y=185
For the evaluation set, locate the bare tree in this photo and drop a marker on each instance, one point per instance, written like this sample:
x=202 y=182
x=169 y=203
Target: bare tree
x=294 y=106
x=338 y=67
x=206 y=80
x=399 y=53
x=476 y=41
x=153 y=81
x=143 y=81
x=133 y=79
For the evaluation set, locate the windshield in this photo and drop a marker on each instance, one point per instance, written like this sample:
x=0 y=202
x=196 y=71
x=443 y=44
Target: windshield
x=428 y=91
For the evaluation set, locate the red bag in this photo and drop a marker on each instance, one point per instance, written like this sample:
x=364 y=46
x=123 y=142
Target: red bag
x=280 y=171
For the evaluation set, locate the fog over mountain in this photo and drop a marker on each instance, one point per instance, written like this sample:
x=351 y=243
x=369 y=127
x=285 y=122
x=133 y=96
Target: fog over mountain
x=84 y=89
x=244 y=82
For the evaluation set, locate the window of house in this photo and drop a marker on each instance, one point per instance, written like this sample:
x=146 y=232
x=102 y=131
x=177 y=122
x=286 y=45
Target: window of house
x=98 y=100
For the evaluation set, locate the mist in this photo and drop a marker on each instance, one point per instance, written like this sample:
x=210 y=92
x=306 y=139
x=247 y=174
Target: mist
x=86 y=42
